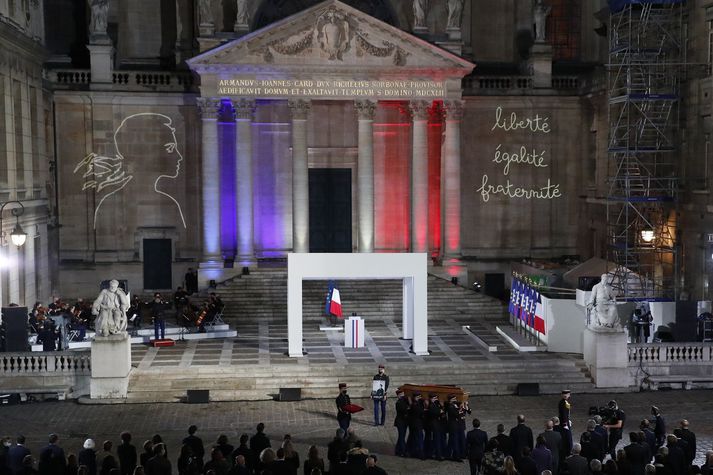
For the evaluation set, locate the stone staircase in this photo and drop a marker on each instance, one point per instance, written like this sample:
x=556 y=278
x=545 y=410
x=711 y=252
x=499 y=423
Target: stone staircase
x=262 y=296
x=320 y=381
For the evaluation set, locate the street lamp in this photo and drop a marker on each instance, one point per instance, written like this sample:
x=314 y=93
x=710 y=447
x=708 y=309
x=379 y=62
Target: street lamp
x=18 y=236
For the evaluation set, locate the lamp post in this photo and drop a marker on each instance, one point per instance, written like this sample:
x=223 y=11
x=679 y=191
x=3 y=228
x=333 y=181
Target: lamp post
x=18 y=236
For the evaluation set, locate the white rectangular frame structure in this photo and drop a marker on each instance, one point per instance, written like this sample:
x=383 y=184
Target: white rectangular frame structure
x=411 y=268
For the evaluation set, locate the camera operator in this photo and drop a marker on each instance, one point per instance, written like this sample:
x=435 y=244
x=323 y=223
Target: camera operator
x=615 y=425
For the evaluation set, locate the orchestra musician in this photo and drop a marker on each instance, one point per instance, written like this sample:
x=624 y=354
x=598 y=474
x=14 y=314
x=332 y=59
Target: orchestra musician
x=158 y=308
x=134 y=313
x=180 y=301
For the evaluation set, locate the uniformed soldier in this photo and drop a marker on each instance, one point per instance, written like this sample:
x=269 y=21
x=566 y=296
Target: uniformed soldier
x=415 y=426
x=401 y=423
x=436 y=417
x=564 y=407
x=456 y=437
x=344 y=418
x=380 y=398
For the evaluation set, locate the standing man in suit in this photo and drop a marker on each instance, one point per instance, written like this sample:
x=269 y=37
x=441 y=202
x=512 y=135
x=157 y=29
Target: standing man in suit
x=380 y=399
x=553 y=440
x=401 y=423
x=475 y=441
x=16 y=454
x=344 y=418
x=575 y=464
x=563 y=410
x=520 y=437
x=52 y=458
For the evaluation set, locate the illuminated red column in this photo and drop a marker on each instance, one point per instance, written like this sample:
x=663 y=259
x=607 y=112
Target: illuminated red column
x=451 y=179
x=419 y=176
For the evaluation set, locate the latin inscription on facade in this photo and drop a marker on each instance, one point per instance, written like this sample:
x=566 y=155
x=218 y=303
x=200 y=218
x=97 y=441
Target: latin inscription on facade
x=247 y=87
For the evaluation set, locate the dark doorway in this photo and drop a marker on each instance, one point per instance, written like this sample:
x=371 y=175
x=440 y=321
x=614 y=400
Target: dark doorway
x=330 y=210
x=157 y=264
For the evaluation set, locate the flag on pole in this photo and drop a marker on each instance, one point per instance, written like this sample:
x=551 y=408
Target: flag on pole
x=526 y=306
x=539 y=316
x=334 y=303
x=533 y=305
x=511 y=303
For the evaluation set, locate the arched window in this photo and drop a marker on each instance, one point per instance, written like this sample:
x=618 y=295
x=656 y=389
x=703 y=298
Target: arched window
x=271 y=11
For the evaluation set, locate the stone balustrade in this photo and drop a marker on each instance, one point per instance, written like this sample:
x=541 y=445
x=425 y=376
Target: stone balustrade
x=170 y=81
x=670 y=353
x=46 y=363
x=498 y=85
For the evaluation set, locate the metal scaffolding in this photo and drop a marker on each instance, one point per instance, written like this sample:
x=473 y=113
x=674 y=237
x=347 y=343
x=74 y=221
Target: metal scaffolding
x=646 y=65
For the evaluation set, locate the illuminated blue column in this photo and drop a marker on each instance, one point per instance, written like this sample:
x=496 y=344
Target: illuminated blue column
x=300 y=176
x=210 y=167
x=365 y=175
x=244 y=112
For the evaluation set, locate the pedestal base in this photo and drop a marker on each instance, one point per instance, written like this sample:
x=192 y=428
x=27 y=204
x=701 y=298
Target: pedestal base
x=101 y=61
x=540 y=65
x=606 y=355
x=111 y=364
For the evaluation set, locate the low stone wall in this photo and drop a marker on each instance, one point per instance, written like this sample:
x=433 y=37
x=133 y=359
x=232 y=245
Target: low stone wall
x=65 y=372
x=685 y=365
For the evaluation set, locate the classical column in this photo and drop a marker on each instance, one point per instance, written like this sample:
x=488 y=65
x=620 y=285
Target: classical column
x=211 y=180
x=365 y=175
x=450 y=180
x=244 y=111
x=419 y=176
x=242 y=17
x=300 y=175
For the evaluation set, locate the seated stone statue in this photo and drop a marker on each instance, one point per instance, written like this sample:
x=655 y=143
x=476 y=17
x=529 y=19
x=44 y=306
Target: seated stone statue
x=110 y=309
x=602 y=307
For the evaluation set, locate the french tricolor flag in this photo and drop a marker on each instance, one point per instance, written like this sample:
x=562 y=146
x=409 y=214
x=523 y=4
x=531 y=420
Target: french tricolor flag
x=334 y=302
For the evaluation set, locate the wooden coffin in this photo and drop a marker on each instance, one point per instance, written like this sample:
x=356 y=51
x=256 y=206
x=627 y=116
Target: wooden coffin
x=442 y=390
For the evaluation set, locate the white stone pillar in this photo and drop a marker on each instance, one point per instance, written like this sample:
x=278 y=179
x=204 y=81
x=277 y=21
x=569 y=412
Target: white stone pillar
x=300 y=176
x=29 y=270
x=450 y=180
x=244 y=112
x=365 y=175
x=419 y=176
x=212 y=256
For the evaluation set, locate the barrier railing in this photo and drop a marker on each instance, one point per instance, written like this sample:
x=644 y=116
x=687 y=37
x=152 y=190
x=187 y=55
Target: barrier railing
x=24 y=363
x=128 y=80
x=671 y=353
x=475 y=84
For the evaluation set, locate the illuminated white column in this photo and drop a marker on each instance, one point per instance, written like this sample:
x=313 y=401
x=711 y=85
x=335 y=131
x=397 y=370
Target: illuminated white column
x=211 y=181
x=419 y=176
x=365 y=175
x=300 y=176
x=450 y=180
x=244 y=112
x=14 y=274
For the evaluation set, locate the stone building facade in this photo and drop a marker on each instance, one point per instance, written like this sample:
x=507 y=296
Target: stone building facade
x=132 y=120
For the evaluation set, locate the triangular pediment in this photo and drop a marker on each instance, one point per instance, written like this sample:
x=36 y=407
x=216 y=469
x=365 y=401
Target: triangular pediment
x=327 y=37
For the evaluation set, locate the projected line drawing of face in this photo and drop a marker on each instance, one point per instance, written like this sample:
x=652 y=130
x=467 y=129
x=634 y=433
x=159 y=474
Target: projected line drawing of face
x=109 y=175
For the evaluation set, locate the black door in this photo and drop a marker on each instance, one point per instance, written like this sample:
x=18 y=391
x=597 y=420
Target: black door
x=330 y=210
x=157 y=264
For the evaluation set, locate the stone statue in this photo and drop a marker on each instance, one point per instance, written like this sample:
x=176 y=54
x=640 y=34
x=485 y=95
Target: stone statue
x=602 y=307
x=541 y=13
x=455 y=12
x=419 y=13
x=205 y=12
x=100 y=13
x=242 y=17
x=110 y=308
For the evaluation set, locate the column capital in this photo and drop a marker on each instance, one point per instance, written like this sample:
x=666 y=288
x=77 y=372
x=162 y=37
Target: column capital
x=419 y=109
x=453 y=109
x=365 y=109
x=208 y=107
x=244 y=109
x=299 y=108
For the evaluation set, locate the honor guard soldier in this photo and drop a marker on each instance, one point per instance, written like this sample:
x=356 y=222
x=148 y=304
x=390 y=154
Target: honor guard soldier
x=380 y=397
x=401 y=423
x=435 y=428
x=563 y=408
x=415 y=426
x=456 y=436
x=344 y=418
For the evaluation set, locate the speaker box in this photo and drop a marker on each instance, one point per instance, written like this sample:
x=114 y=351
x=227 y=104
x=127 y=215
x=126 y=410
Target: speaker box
x=198 y=396
x=15 y=321
x=528 y=389
x=290 y=394
x=494 y=285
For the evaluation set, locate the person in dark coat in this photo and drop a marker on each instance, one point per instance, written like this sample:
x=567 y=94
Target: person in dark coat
x=187 y=463
x=372 y=468
x=217 y=463
x=127 y=454
x=597 y=440
x=602 y=431
x=566 y=447
x=225 y=448
x=16 y=455
x=147 y=453
x=196 y=444
x=649 y=436
x=259 y=441
x=5 y=445
x=475 y=442
x=659 y=427
x=245 y=451
x=636 y=454
x=159 y=463
x=690 y=438
x=107 y=461
x=27 y=466
x=401 y=423
x=520 y=437
x=335 y=449
x=415 y=426
x=526 y=465
x=553 y=440
x=52 y=458
x=542 y=455
x=344 y=417
x=504 y=442
x=88 y=457
x=676 y=458
x=589 y=451
x=575 y=464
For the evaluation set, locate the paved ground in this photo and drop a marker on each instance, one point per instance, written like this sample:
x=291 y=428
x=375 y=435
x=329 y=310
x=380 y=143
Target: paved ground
x=313 y=422
x=266 y=343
